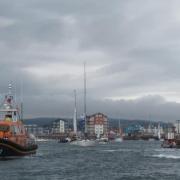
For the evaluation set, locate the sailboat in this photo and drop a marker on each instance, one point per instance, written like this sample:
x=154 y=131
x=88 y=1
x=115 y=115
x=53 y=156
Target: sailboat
x=82 y=142
x=79 y=141
x=119 y=138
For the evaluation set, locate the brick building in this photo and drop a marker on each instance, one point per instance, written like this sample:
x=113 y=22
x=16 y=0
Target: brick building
x=97 y=124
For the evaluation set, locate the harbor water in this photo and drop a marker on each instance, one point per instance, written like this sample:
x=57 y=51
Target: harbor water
x=129 y=160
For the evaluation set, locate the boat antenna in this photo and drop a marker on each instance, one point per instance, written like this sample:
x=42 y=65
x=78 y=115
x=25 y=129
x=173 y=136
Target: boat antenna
x=10 y=93
x=21 y=99
x=75 y=114
x=10 y=88
x=85 y=97
x=15 y=96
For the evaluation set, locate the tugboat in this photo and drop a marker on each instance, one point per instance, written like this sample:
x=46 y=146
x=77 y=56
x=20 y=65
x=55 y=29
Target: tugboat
x=14 y=140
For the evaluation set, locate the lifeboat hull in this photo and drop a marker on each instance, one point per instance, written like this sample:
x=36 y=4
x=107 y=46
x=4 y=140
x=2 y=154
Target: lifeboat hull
x=9 y=148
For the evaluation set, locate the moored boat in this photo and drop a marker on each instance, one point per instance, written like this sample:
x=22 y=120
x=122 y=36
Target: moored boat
x=82 y=142
x=14 y=140
x=169 y=144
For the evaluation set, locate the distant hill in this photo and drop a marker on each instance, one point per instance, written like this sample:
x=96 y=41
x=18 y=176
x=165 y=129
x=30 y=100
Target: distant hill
x=40 y=121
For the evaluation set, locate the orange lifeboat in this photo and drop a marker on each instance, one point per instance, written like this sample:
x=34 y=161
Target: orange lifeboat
x=14 y=140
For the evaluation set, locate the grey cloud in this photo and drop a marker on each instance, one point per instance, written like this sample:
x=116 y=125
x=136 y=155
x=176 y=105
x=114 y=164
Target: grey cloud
x=150 y=107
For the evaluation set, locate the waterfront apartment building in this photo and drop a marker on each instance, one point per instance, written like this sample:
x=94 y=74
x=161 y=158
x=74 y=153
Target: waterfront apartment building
x=177 y=126
x=97 y=124
x=34 y=129
x=59 y=126
x=154 y=130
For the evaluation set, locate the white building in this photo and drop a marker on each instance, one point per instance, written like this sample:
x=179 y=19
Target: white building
x=34 y=129
x=59 y=126
x=177 y=126
x=99 y=130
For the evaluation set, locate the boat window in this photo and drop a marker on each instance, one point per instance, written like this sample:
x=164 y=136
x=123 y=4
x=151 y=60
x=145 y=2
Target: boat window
x=15 y=130
x=8 y=117
x=4 y=128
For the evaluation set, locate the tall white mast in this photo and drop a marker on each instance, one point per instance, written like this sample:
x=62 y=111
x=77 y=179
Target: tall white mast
x=159 y=131
x=75 y=114
x=85 y=97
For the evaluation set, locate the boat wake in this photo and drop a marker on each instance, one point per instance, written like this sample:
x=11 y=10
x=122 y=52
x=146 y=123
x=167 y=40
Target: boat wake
x=166 y=156
x=119 y=150
x=165 y=150
x=42 y=140
x=109 y=150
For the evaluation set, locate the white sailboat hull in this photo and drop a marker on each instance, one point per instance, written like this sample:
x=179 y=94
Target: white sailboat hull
x=118 y=140
x=84 y=143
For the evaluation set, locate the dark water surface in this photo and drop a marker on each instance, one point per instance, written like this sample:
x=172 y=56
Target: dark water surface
x=129 y=160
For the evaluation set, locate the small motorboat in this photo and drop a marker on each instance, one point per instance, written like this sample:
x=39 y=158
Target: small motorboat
x=102 y=140
x=14 y=139
x=169 y=144
x=64 y=140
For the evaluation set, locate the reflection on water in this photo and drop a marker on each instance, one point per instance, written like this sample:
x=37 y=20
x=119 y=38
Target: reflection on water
x=126 y=160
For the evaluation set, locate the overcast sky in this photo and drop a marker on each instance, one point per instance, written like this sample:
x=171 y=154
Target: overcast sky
x=131 y=48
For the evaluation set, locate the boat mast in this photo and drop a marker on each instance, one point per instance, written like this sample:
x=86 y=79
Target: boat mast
x=85 y=97
x=75 y=114
x=159 y=131
x=21 y=104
